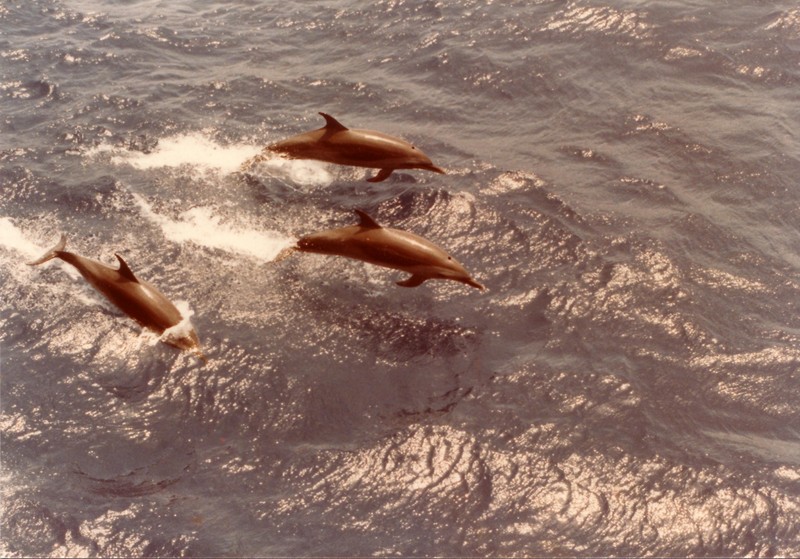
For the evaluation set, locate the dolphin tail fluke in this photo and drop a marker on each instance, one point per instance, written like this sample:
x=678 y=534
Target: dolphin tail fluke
x=381 y=176
x=413 y=281
x=52 y=253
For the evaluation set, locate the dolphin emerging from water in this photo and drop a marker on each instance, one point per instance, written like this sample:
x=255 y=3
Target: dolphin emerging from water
x=391 y=248
x=335 y=143
x=137 y=298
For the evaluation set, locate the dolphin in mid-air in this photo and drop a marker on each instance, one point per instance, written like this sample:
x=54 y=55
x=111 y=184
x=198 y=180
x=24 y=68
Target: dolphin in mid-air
x=335 y=143
x=137 y=298
x=391 y=248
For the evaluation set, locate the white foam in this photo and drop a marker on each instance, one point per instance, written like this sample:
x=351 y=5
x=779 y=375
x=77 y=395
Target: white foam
x=195 y=149
x=13 y=238
x=301 y=172
x=199 y=150
x=184 y=328
x=202 y=226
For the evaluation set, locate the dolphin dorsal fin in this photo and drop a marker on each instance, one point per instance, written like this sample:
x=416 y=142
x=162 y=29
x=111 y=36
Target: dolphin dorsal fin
x=367 y=221
x=124 y=269
x=333 y=125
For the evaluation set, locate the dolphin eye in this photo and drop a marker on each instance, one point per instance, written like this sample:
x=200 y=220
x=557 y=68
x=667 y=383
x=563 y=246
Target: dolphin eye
x=449 y=257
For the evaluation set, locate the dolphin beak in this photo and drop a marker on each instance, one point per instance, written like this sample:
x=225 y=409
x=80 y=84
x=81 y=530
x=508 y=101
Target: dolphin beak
x=436 y=169
x=471 y=282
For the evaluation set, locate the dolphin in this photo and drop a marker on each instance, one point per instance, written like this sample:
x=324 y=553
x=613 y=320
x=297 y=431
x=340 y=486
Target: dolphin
x=335 y=143
x=137 y=298
x=390 y=248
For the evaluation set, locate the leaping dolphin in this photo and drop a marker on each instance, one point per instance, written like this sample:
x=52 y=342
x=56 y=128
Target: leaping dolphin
x=335 y=143
x=137 y=298
x=391 y=248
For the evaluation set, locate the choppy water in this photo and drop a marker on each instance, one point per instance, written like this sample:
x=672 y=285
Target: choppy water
x=623 y=176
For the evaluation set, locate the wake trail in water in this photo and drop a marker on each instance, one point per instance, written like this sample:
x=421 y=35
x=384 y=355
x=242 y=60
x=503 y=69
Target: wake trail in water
x=201 y=225
x=197 y=150
x=193 y=149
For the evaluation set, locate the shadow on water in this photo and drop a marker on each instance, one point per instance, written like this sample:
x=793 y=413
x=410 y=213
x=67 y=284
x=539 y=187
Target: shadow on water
x=132 y=484
x=135 y=384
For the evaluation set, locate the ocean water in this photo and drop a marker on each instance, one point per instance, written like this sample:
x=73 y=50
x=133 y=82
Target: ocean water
x=623 y=176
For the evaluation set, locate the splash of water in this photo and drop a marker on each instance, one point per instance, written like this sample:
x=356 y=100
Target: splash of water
x=300 y=172
x=183 y=328
x=13 y=238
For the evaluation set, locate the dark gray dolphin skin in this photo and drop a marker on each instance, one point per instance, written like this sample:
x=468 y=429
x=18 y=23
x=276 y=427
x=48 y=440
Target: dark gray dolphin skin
x=390 y=248
x=137 y=298
x=335 y=143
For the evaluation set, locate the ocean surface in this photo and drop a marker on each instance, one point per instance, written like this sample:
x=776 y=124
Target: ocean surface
x=623 y=176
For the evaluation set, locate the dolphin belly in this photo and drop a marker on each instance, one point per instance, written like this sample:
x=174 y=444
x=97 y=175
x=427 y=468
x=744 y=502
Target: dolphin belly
x=145 y=304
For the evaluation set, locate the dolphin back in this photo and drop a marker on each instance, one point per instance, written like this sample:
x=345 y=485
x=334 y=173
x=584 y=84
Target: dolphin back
x=52 y=253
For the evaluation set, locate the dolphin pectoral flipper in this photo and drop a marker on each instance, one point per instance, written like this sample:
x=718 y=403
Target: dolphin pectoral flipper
x=52 y=253
x=413 y=281
x=200 y=355
x=381 y=176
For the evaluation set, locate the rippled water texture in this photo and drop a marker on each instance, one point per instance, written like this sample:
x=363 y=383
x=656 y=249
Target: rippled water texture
x=623 y=176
